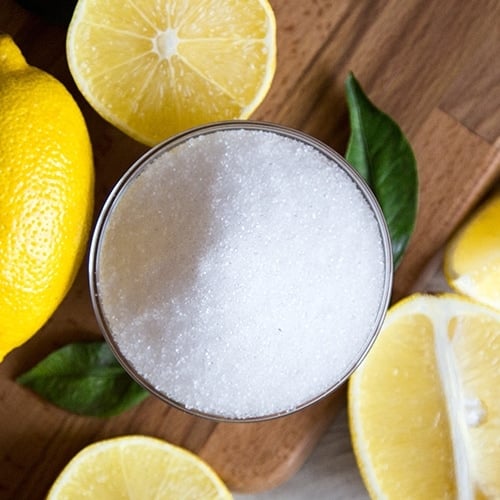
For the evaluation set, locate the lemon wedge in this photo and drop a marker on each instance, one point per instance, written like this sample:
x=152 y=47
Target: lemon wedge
x=472 y=258
x=424 y=406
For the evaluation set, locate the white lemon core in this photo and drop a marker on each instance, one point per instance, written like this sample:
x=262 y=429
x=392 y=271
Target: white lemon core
x=165 y=43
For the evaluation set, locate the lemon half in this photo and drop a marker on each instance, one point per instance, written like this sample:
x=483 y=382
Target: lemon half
x=140 y=467
x=154 y=68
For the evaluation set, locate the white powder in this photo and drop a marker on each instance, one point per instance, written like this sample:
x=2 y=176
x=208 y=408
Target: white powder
x=241 y=273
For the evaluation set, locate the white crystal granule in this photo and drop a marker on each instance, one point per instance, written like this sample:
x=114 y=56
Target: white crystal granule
x=241 y=273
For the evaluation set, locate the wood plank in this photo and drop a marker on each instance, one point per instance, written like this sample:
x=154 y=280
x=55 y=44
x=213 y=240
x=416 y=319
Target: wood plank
x=456 y=168
x=245 y=455
x=405 y=55
x=473 y=99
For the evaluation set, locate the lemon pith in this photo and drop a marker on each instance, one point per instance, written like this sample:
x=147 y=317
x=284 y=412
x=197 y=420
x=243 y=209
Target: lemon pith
x=153 y=69
x=46 y=195
x=423 y=407
x=137 y=466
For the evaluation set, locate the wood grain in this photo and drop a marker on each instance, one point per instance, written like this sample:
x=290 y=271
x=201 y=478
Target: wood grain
x=431 y=64
x=456 y=168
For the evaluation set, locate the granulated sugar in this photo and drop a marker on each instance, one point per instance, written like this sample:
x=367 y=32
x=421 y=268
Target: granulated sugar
x=241 y=273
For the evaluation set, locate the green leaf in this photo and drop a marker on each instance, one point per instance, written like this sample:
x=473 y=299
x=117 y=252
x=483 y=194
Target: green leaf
x=382 y=155
x=84 y=378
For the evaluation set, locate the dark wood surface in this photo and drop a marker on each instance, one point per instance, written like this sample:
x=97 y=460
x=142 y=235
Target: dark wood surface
x=431 y=64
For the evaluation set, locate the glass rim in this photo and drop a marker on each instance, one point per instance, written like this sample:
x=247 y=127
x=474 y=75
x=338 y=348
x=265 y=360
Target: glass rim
x=137 y=166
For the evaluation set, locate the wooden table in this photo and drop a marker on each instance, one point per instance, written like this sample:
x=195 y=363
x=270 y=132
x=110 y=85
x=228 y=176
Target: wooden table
x=431 y=64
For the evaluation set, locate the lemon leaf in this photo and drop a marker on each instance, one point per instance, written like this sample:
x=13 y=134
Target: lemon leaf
x=382 y=155
x=84 y=378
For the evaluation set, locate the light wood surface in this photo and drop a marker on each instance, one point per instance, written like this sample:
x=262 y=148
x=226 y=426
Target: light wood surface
x=434 y=66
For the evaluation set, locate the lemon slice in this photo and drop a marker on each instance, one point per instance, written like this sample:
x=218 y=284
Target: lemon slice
x=472 y=258
x=137 y=467
x=154 y=68
x=424 y=406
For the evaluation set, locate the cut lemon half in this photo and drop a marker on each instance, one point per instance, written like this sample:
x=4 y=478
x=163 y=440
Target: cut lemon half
x=472 y=258
x=424 y=406
x=154 y=68
x=137 y=467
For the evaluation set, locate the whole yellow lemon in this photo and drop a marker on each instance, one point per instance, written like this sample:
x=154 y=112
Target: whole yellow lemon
x=46 y=195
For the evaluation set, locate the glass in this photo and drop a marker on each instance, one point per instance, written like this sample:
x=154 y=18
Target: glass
x=170 y=144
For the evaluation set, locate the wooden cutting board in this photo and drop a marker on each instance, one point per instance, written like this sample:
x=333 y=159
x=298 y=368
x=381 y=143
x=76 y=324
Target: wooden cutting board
x=431 y=64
